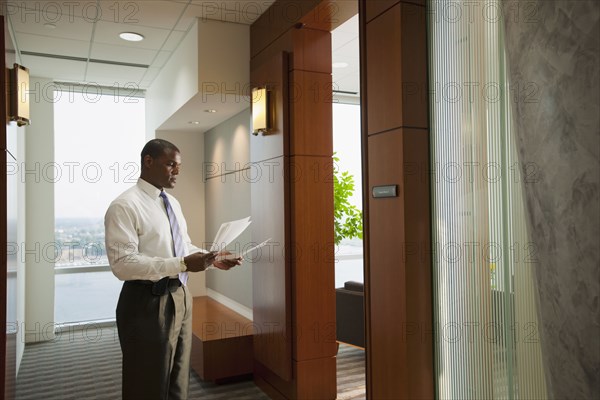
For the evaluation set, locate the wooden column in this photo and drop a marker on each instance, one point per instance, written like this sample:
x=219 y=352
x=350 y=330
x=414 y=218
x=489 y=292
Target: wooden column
x=302 y=203
x=396 y=152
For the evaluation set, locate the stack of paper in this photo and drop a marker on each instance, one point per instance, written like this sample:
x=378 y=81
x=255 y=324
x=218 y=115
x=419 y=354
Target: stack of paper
x=227 y=234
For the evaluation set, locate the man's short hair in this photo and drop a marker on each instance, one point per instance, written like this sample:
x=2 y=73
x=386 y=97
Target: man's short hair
x=157 y=147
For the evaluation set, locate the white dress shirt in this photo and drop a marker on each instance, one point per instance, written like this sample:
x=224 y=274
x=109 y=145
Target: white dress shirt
x=139 y=244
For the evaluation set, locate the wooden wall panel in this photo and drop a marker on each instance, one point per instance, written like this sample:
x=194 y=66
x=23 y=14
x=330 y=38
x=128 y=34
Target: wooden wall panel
x=329 y=14
x=274 y=22
x=414 y=67
x=313 y=380
x=307 y=43
x=271 y=276
x=417 y=264
x=316 y=379
x=272 y=295
x=312 y=257
x=395 y=136
x=376 y=7
x=400 y=306
x=283 y=44
x=384 y=72
x=311 y=114
x=310 y=206
x=387 y=273
x=397 y=72
x=400 y=280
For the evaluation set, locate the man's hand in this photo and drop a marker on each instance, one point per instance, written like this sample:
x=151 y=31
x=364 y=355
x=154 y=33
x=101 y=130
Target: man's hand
x=226 y=264
x=199 y=261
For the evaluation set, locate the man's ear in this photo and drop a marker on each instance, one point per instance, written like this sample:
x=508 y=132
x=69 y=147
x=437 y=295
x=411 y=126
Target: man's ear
x=148 y=160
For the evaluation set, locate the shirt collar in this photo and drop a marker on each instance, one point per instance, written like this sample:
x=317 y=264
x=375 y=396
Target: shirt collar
x=149 y=188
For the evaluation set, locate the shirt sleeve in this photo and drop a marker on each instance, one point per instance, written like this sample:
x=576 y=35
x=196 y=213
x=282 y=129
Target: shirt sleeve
x=122 y=248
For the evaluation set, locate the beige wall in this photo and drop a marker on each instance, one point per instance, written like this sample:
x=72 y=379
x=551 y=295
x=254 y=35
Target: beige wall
x=39 y=220
x=227 y=154
x=176 y=83
x=190 y=192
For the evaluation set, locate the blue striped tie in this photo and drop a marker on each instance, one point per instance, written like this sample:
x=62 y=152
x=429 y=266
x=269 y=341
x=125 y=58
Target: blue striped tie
x=178 y=244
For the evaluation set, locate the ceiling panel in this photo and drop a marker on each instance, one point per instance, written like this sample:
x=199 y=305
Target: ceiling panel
x=43 y=10
x=347 y=29
x=345 y=48
x=101 y=51
x=347 y=53
x=349 y=83
x=48 y=45
x=153 y=13
x=106 y=74
x=60 y=70
x=186 y=21
x=164 y=23
x=53 y=25
x=108 y=33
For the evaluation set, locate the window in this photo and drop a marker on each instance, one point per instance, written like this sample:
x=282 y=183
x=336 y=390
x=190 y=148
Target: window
x=486 y=333
x=98 y=138
x=347 y=147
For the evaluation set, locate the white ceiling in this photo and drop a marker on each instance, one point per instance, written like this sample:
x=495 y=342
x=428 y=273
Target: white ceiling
x=79 y=41
x=344 y=47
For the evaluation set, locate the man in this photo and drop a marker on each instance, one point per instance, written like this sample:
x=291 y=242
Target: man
x=148 y=247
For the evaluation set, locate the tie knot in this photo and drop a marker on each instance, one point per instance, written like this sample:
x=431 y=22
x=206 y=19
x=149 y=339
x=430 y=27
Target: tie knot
x=163 y=194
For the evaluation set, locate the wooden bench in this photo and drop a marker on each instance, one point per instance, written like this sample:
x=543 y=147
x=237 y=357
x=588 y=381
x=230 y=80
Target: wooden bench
x=221 y=341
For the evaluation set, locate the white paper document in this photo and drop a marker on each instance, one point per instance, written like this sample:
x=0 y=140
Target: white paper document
x=244 y=253
x=228 y=232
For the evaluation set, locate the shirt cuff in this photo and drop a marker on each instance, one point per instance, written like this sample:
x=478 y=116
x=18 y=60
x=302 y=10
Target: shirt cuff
x=173 y=265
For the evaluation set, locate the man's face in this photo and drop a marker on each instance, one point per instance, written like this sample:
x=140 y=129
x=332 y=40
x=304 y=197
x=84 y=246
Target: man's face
x=163 y=170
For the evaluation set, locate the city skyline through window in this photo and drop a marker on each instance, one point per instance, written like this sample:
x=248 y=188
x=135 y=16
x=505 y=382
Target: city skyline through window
x=98 y=140
x=97 y=145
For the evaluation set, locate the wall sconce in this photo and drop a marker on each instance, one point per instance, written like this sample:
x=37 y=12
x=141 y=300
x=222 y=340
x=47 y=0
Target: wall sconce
x=18 y=101
x=261 y=113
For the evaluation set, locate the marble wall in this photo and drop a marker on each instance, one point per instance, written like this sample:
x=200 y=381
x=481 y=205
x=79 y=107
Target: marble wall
x=553 y=60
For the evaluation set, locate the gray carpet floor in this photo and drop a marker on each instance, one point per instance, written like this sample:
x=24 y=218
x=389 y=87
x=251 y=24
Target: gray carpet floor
x=84 y=365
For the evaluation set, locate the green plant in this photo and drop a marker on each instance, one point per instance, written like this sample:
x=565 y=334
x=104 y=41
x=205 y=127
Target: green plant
x=347 y=218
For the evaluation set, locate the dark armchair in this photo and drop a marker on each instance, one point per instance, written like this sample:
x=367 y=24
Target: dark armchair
x=350 y=313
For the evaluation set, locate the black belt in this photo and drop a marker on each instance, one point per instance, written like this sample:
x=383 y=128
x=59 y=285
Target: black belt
x=161 y=287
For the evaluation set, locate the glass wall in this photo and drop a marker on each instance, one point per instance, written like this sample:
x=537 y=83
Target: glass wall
x=347 y=148
x=487 y=331
x=99 y=133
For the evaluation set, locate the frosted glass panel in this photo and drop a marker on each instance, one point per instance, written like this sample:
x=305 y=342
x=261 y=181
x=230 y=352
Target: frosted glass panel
x=487 y=339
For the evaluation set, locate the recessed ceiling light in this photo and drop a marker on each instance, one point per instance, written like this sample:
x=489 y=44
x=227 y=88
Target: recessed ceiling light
x=49 y=25
x=194 y=122
x=339 y=65
x=131 y=36
x=211 y=111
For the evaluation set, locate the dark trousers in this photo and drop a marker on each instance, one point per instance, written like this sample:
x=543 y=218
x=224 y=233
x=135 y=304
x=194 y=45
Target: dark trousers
x=155 y=333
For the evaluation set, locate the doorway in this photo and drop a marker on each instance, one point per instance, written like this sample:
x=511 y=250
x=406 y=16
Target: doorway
x=349 y=262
